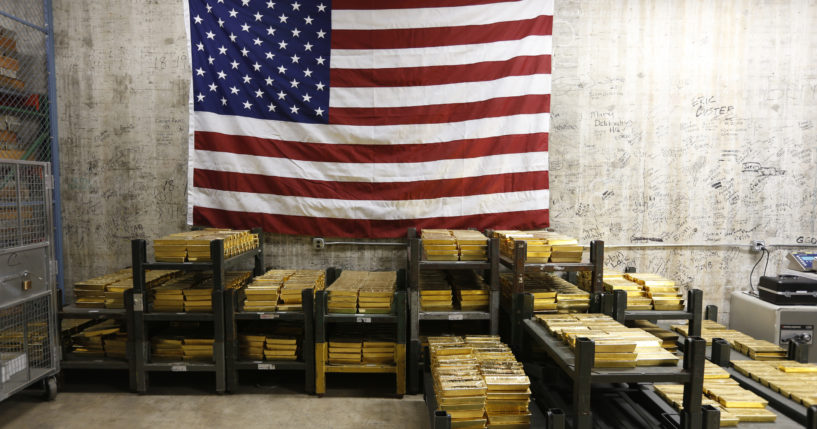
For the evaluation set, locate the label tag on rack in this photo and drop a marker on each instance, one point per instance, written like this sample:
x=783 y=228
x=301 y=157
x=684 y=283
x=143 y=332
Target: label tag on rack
x=178 y=368
x=266 y=366
x=93 y=311
x=137 y=302
x=268 y=316
x=455 y=317
x=364 y=320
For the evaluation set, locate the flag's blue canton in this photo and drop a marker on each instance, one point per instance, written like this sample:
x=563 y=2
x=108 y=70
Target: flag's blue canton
x=262 y=59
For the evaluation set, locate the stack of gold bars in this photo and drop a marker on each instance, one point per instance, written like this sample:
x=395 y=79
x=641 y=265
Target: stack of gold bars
x=182 y=344
x=439 y=245
x=251 y=346
x=262 y=294
x=292 y=289
x=459 y=387
x=664 y=293
x=362 y=292
x=737 y=405
x=100 y=339
x=615 y=344
x=435 y=291
x=789 y=378
x=169 y=297
x=342 y=293
x=471 y=245
x=637 y=297
x=543 y=246
x=538 y=251
x=544 y=298
x=470 y=291
x=194 y=246
x=479 y=382
x=454 y=244
x=346 y=350
x=284 y=342
x=755 y=349
x=108 y=291
x=376 y=292
x=378 y=350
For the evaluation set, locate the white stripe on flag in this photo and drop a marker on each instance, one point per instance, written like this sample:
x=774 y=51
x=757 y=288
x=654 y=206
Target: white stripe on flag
x=385 y=19
x=440 y=55
x=370 y=209
x=466 y=92
x=371 y=134
x=373 y=172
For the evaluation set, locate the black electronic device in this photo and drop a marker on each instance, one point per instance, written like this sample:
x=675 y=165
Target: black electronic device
x=788 y=290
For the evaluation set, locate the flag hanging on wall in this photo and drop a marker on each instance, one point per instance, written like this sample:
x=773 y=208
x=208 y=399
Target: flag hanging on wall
x=360 y=118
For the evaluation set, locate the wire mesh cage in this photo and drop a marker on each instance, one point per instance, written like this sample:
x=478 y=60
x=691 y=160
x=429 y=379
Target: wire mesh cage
x=25 y=128
x=26 y=343
x=24 y=206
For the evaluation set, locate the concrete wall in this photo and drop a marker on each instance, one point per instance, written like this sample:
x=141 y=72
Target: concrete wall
x=673 y=122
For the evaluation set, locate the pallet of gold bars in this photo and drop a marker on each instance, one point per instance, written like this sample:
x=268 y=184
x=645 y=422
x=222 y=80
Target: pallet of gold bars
x=665 y=294
x=104 y=339
x=544 y=297
x=342 y=293
x=292 y=290
x=376 y=293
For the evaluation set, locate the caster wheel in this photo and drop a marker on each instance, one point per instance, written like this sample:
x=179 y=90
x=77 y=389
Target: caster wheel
x=50 y=384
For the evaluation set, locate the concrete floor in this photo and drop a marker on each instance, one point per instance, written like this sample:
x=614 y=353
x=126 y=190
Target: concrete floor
x=91 y=400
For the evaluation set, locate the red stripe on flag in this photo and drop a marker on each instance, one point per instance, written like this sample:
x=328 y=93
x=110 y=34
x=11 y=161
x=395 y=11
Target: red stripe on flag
x=442 y=36
x=440 y=75
x=407 y=4
x=472 y=148
x=441 y=113
x=260 y=184
x=331 y=227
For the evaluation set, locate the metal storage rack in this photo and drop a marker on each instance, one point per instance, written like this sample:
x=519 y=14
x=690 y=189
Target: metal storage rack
x=516 y=307
x=143 y=316
x=71 y=361
x=397 y=317
x=29 y=346
x=233 y=314
x=577 y=364
x=720 y=353
x=417 y=264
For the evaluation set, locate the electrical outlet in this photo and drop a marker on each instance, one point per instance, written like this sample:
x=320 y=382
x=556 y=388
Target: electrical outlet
x=758 y=245
x=318 y=243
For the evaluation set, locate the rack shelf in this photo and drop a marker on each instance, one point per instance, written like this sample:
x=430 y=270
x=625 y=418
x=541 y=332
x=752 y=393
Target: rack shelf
x=232 y=313
x=397 y=318
x=577 y=364
x=74 y=361
x=519 y=265
x=143 y=316
x=490 y=271
x=693 y=313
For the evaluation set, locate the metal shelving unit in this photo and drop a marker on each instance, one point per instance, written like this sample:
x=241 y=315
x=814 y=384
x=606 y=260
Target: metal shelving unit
x=233 y=315
x=416 y=264
x=577 y=364
x=516 y=308
x=72 y=361
x=143 y=315
x=397 y=318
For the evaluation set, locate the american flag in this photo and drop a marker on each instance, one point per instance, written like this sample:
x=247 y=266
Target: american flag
x=360 y=118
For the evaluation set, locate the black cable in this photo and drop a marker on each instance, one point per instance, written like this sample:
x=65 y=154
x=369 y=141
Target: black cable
x=768 y=255
x=752 y=286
